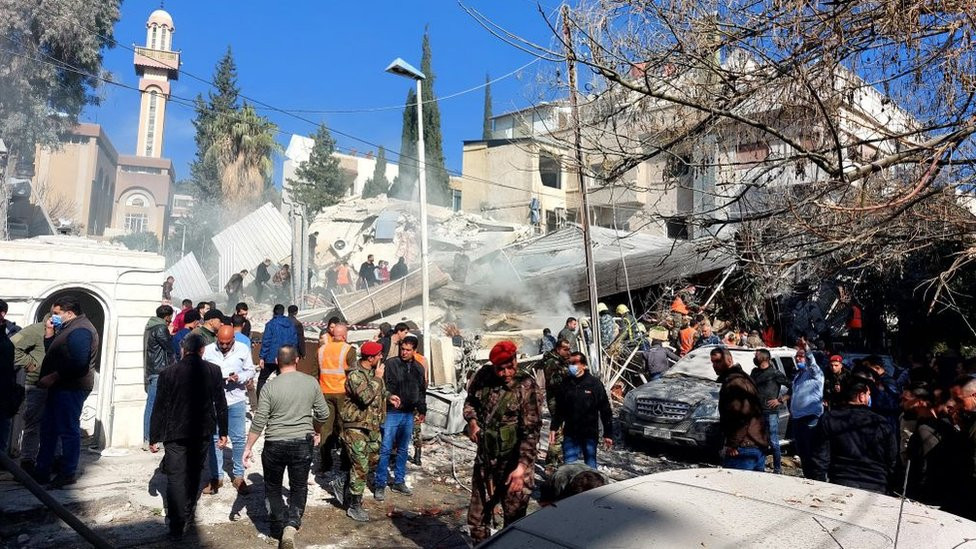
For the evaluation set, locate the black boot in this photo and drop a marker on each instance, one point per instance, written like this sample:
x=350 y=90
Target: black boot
x=356 y=511
x=416 y=456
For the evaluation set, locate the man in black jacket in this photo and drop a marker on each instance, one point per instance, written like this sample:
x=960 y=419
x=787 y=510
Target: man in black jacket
x=581 y=405
x=405 y=384
x=299 y=329
x=854 y=446
x=10 y=395
x=68 y=371
x=769 y=380
x=158 y=346
x=191 y=407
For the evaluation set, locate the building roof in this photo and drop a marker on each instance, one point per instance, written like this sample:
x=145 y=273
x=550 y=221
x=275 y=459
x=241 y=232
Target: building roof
x=649 y=259
x=161 y=18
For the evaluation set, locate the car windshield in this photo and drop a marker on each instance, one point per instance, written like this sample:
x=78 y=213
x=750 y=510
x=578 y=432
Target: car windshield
x=697 y=363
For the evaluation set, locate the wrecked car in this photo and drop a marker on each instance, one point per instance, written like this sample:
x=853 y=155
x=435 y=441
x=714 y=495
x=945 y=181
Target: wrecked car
x=681 y=407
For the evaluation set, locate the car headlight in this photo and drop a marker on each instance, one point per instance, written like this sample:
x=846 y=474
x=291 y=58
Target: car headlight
x=630 y=401
x=707 y=409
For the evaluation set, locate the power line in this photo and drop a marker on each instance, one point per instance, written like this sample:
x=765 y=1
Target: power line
x=191 y=103
x=436 y=99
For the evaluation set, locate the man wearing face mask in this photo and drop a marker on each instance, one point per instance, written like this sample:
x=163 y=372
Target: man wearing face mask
x=503 y=414
x=806 y=403
x=581 y=405
x=854 y=446
x=68 y=372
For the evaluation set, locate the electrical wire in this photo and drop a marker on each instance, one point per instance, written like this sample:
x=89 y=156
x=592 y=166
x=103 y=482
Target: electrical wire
x=191 y=103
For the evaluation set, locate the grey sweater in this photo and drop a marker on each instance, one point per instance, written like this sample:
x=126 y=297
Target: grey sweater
x=288 y=405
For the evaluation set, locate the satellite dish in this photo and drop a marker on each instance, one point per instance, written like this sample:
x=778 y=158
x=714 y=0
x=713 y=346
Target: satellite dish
x=339 y=245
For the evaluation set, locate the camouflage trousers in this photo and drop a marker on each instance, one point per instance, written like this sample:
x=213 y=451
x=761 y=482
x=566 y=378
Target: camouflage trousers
x=331 y=430
x=417 y=442
x=363 y=449
x=554 y=455
x=488 y=490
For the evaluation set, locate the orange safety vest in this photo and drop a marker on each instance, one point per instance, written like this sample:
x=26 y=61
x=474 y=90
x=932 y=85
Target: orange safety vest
x=332 y=366
x=419 y=359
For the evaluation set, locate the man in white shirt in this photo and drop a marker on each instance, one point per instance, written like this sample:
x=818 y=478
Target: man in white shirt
x=234 y=360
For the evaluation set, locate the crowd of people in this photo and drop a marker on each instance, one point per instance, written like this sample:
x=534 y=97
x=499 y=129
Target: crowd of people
x=855 y=423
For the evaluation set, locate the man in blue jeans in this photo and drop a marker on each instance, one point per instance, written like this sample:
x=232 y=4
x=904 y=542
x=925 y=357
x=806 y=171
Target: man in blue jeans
x=745 y=434
x=769 y=380
x=806 y=405
x=68 y=372
x=581 y=406
x=157 y=347
x=236 y=367
x=407 y=388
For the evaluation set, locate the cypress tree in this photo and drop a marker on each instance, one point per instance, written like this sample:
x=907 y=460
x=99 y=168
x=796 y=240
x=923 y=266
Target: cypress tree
x=319 y=182
x=378 y=184
x=438 y=189
x=222 y=100
x=404 y=184
x=486 y=124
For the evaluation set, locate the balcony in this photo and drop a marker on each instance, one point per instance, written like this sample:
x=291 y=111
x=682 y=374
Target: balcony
x=618 y=195
x=157 y=59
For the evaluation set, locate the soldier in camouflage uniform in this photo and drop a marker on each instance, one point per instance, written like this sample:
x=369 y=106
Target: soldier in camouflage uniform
x=504 y=418
x=363 y=412
x=555 y=370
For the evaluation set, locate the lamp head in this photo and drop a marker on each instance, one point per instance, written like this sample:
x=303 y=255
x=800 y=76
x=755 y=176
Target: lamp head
x=400 y=67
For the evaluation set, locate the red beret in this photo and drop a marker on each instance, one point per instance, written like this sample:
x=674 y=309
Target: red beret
x=502 y=353
x=370 y=348
x=837 y=358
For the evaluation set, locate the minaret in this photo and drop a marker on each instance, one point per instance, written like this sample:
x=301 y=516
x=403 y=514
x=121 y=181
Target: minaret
x=157 y=64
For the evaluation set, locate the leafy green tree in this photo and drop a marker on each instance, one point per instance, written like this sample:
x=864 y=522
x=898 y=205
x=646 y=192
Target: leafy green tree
x=243 y=142
x=486 y=124
x=222 y=100
x=438 y=188
x=405 y=183
x=50 y=66
x=378 y=184
x=320 y=182
x=140 y=242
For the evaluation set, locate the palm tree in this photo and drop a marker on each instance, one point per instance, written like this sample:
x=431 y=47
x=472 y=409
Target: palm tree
x=243 y=142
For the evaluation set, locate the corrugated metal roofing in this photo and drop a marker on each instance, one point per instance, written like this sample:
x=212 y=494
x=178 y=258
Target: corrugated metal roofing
x=261 y=234
x=190 y=282
x=650 y=259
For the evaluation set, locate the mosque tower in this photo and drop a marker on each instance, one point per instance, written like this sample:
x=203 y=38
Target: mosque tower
x=156 y=64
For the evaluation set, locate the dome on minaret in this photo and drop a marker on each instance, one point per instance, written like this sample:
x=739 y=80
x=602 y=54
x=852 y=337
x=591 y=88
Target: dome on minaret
x=160 y=18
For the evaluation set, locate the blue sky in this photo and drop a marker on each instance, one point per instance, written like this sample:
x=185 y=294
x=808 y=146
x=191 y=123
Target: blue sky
x=317 y=55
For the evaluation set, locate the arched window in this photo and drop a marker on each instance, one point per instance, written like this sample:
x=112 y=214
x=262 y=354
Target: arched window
x=162 y=41
x=151 y=123
x=152 y=42
x=137 y=200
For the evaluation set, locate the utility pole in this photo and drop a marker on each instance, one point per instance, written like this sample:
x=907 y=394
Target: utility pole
x=595 y=348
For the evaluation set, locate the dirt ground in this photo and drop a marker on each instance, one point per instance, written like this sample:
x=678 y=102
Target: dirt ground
x=121 y=498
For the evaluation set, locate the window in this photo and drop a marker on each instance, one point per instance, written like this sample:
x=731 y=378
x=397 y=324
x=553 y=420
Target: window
x=137 y=200
x=456 y=200
x=162 y=40
x=676 y=166
x=151 y=123
x=550 y=171
x=677 y=229
x=136 y=223
x=748 y=155
x=142 y=169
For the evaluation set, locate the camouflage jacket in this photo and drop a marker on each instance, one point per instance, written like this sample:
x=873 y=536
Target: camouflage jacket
x=365 y=404
x=508 y=416
x=555 y=370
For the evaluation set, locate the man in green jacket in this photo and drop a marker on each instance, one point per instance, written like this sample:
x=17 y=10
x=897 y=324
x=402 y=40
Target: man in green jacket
x=28 y=355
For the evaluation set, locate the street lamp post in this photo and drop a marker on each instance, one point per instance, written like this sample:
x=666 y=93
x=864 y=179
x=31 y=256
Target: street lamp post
x=400 y=67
